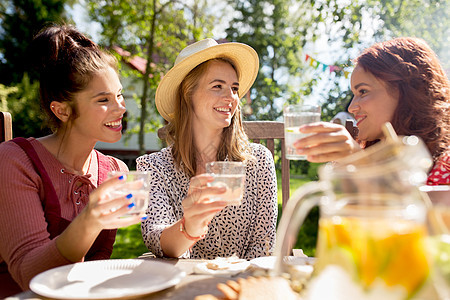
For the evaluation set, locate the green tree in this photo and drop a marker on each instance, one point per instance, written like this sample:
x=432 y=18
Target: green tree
x=19 y=22
x=24 y=106
x=274 y=30
x=155 y=30
x=356 y=25
x=427 y=19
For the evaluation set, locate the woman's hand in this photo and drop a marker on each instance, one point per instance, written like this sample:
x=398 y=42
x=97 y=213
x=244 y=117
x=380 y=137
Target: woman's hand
x=327 y=142
x=106 y=212
x=100 y=213
x=198 y=209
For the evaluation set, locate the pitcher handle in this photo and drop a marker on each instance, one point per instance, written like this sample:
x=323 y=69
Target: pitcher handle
x=293 y=216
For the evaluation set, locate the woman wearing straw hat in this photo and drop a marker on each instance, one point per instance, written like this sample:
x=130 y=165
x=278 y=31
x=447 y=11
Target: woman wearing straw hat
x=199 y=97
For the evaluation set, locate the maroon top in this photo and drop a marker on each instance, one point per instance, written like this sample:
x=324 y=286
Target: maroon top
x=52 y=208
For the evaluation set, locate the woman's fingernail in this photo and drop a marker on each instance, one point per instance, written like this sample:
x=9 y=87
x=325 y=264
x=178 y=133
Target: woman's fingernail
x=144 y=218
x=129 y=196
x=121 y=177
x=131 y=205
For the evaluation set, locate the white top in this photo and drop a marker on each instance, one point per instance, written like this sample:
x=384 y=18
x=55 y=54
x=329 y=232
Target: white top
x=247 y=231
x=343 y=116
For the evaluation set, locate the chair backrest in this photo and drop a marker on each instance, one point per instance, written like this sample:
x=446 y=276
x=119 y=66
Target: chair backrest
x=5 y=126
x=269 y=131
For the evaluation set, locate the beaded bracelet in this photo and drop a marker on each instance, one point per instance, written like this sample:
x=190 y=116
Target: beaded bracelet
x=191 y=238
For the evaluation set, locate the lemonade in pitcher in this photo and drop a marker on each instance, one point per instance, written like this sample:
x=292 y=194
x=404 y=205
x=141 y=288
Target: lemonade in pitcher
x=372 y=226
x=375 y=254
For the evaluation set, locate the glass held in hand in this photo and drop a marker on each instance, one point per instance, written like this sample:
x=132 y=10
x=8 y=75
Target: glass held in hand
x=135 y=183
x=294 y=117
x=229 y=174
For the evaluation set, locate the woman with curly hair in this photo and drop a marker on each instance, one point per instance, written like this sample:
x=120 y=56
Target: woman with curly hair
x=399 y=81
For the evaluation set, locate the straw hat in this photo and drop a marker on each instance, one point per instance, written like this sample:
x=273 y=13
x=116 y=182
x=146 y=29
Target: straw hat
x=243 y=57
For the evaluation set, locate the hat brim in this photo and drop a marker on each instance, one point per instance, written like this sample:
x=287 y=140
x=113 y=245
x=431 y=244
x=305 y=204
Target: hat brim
x=243 y=57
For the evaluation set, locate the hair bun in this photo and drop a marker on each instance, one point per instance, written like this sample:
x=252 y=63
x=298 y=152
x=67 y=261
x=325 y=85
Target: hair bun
x=57 y=44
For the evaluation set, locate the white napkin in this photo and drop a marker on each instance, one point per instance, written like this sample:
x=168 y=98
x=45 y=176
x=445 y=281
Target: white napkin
x=222 y=266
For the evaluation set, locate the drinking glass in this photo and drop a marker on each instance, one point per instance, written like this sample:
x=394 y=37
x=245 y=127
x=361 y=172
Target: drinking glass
x=295 y=116
x=135 y=183
x=230 y=174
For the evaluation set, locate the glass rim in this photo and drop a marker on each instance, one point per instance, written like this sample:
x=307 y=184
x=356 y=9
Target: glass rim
x=307 y=107
x=225 y=163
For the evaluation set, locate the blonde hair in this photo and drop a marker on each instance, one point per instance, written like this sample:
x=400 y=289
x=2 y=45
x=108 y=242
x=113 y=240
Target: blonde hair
x=234 y=144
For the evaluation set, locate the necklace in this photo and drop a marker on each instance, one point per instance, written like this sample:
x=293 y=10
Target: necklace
x=73 y=170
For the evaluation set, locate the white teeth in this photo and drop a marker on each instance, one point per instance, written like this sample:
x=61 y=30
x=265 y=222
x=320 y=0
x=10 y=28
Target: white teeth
x=222 y=109
x=112 y=124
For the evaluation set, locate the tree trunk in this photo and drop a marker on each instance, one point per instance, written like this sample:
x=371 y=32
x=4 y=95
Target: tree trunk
x=150 y=45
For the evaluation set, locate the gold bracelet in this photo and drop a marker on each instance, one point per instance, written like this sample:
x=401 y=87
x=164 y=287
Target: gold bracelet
x=191 y=238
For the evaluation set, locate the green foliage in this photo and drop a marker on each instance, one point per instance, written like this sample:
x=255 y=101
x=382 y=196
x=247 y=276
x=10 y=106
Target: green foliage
x=278 y=35
x=24 y=106
x=129 y=243
x=307 y=236
x=299 y=166
x=427 y=19
x=4 y=93
x=313 y=171
x=19 y=22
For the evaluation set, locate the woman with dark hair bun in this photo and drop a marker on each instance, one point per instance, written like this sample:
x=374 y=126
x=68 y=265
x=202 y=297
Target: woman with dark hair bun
x=399 y=81
x=54 y=206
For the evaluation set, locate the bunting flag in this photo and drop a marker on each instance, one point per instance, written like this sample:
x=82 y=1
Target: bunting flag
x=315 y=64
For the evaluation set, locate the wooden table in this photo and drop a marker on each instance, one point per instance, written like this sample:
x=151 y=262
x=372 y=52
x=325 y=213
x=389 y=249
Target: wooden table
x=190 y=286
x=194 y=285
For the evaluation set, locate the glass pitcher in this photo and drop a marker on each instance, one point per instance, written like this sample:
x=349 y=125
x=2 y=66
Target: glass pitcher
x=372 y=224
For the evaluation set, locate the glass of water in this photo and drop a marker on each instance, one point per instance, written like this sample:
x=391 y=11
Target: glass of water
x=230 y=174
x=295 y=116
x=137 y=184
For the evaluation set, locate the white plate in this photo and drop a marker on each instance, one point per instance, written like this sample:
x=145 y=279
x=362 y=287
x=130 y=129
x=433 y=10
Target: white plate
x=226 y=266
x=268 y=262
x=106 y=279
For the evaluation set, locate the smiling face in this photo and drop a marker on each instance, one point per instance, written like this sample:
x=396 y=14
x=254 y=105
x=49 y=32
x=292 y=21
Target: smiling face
x=100 y=108
x=373 y=104
x=215 y=98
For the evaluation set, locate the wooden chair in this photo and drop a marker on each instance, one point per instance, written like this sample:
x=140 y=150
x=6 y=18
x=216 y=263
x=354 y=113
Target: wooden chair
x=269 y=131
x=5 y=126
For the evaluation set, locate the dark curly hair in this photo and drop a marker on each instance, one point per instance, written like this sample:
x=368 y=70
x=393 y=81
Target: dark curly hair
x=409 y=66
